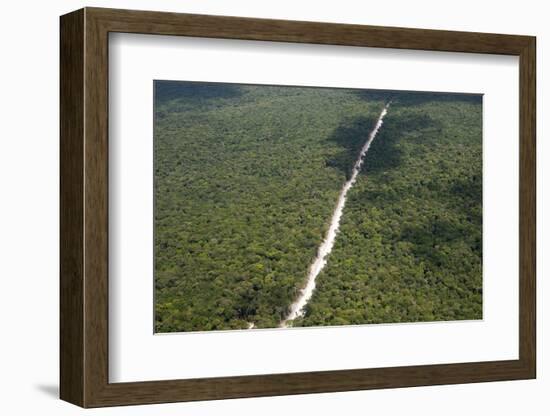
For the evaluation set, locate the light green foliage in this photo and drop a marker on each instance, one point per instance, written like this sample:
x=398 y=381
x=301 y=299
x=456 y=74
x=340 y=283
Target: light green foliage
x=410 y=246
x=246 y=178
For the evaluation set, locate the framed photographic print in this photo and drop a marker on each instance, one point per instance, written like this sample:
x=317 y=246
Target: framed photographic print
x=255 y=207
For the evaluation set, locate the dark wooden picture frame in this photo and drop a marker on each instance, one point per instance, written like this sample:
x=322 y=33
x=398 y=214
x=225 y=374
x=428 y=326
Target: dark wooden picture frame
x=84 y=207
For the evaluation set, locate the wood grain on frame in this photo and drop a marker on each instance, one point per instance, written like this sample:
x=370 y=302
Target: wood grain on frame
x=84 y=207
x=71 y=214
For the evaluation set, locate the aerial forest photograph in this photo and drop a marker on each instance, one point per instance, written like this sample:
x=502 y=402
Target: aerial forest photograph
x=290 y=206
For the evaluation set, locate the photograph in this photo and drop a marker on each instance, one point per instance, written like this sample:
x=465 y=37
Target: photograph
x=290 y=206
x=254 y=207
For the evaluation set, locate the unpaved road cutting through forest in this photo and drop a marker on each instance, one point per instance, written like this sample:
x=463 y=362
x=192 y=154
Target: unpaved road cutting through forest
x=297 y=308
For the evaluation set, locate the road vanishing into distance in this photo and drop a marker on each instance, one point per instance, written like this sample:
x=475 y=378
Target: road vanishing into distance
x=297 y=309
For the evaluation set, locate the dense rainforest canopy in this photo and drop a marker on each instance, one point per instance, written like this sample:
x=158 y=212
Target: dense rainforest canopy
x=410 y=242
x=246 y=179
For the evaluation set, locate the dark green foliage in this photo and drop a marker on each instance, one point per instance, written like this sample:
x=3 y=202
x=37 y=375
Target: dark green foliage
x=350 y=136
x=246 y=180
x=245 y=183
x=409 y=246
